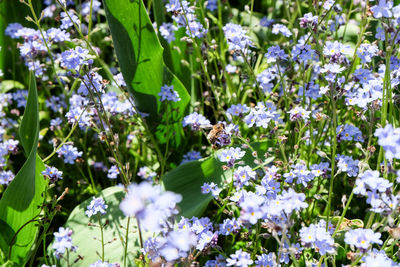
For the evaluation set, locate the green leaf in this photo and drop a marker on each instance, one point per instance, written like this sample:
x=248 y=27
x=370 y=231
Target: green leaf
x=140 y=56
x=8 y=85
x=189 y=177
x=20 y=203
x=88 y=238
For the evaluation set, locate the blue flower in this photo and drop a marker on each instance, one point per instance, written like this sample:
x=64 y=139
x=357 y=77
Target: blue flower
x=74 y=59
x=230 y=155
x=212 y=5
x=236 y=38
x=229 y=226
x=264 y=260
x=6 y=177
x=62 y=241
x=212 y=188
x=362 y=238
x=167 y=31
x=146 y=173
x=196 y=121
x=280 y=28
x=382 y=9
x=66 y=22
x=389 y=139
x=150 y=205
x=191 y=156
x=349 y=132
x=69 y=153
x=113 y=172
x=52 y=173
x=347 y=164
x=100 y=263
x=97 y=205
x=317 y=237
x=168 y=93
x=240 y=259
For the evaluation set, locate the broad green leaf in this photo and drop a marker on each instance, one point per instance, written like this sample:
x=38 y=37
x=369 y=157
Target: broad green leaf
x=8 y=85
x=140 y=56
x=188 y=178
x=20 y=203
x=88 y=238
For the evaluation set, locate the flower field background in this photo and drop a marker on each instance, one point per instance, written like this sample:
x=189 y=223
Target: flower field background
x=199 y=133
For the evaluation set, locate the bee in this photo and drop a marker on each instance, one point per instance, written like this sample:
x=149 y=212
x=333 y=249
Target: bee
x=215 y=133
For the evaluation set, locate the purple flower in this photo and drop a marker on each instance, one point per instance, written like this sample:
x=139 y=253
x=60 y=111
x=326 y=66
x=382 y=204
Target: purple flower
x=168 y=93
x=113 y=172
x=275 y=53
x=12 y=29
x=240 y=259
x=52 y=173
x=69 y=153
x=97 y=205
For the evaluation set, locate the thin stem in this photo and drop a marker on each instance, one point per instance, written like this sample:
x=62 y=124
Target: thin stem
x=126 y=241
x=102 y=237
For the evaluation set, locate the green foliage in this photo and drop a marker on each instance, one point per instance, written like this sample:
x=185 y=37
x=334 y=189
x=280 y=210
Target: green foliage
x=8 y=85
x=21 y=202
x=88 y=238
x=140 y=56
x=188 y=178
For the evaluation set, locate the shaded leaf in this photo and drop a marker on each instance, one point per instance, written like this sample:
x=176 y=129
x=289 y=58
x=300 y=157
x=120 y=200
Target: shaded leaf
x=88 y=238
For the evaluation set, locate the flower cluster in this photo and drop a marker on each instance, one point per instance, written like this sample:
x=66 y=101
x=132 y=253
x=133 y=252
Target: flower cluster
x=97 y=205
x=150 y=205
x=63 y=242
x=317 y=237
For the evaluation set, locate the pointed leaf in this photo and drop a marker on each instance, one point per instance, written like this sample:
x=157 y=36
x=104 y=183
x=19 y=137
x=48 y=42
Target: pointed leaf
x=140 y=56
x=20 y=203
